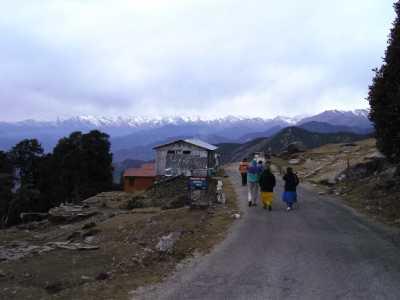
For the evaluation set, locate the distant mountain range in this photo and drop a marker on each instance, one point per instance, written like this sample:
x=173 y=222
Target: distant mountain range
x=133 y=138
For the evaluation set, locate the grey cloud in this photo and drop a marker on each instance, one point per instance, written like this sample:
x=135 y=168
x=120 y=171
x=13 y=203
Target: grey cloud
x=188 y=57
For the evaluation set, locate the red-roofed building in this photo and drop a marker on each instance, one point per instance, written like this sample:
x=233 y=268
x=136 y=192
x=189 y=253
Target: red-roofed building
x=139 y=179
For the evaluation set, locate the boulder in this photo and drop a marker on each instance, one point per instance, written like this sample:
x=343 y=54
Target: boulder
x=70 y=213
x=33 y=217
x=73 y=246
x=294 y=161
x=375 y=155
x=167 y=242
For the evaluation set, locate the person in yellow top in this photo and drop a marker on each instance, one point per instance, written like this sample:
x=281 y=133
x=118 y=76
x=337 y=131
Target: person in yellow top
x=267 y=184
x=243 y=167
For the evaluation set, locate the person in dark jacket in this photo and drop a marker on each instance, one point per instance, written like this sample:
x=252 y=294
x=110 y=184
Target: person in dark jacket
x=267 y=183
x=291 y=183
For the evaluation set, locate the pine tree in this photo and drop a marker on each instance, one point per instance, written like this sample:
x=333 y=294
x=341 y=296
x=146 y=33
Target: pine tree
x=6 y=185
x=25 y=157
x=84 y=165
x=384 y=96
x=97 y=169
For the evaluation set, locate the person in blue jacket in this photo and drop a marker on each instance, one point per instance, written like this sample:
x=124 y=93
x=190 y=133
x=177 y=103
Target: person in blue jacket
x=253 y=176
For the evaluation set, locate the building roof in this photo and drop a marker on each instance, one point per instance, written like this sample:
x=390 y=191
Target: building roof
x=146 y=170
x=195 y=142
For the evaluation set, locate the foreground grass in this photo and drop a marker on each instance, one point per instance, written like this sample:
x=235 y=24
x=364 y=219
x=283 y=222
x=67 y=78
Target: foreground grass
x=127 y=254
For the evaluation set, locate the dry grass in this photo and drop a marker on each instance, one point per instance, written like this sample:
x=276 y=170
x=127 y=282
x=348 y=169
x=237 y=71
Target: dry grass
x=374 y=195
x=127 y=253
x=325 y=163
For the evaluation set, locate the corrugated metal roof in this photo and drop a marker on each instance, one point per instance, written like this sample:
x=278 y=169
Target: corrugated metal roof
x=146 y=170
x=195 y=142
x=201 y=144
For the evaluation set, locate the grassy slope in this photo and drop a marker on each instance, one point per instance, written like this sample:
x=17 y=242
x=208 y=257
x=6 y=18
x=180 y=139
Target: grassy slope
x=280 y=141
x=127 y=250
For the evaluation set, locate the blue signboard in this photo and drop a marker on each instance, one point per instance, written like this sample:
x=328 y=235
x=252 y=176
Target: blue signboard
x=198 y=183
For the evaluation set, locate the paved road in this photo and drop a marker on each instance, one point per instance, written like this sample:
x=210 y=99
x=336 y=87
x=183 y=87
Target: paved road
x=320 y=251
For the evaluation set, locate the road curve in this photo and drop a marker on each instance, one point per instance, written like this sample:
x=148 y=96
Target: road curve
x=320 y=251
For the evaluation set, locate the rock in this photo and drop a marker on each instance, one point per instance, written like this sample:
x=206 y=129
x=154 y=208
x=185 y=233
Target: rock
x=89 y=239
x=176 y=202
x=70 y=213
x=375 y=155
x=76 y=235
x=33 y=225
x=32 y=217
x=103 y=276
x=294 y=161
x=54 y=288
x=91 y=232
x=2 y=274
x=85 y=278
x=19 y=249
x=167 y=242
x=236 y=216
x=73 y=246
x=149 y=210
x=89 y=225
x=321 y=193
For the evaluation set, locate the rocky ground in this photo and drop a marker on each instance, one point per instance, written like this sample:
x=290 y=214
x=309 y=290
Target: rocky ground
x=356 y=172
x=109 y=246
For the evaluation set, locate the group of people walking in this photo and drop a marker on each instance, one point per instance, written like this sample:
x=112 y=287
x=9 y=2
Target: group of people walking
x=261 y=183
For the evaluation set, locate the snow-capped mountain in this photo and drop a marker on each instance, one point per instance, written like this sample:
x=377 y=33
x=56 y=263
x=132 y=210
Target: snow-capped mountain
x=357 y=118
x=129 y=132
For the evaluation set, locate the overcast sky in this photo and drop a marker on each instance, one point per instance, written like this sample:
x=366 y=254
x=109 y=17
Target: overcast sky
x=210 y=58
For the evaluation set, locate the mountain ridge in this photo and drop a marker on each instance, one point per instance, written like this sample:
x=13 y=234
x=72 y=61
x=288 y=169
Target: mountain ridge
x=131 y=132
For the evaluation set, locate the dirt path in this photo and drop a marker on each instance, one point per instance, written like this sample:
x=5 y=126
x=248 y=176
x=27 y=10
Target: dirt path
x=321 y=251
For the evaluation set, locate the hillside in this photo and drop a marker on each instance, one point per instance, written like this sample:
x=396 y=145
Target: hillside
x=357 y=118
x=358 y=173
x=323 y=127
x=280 y=141
x=262 y=134
x=309 y=139
x=236 y=152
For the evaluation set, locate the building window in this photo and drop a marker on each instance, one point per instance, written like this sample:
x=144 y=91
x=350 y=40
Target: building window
x=171 y=152
x=187 y=152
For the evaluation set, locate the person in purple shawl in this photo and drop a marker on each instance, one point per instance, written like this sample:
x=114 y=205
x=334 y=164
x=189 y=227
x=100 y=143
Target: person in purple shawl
x=291 y=183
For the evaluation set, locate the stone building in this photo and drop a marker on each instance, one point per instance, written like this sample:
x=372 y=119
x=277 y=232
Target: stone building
x=182 y=157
